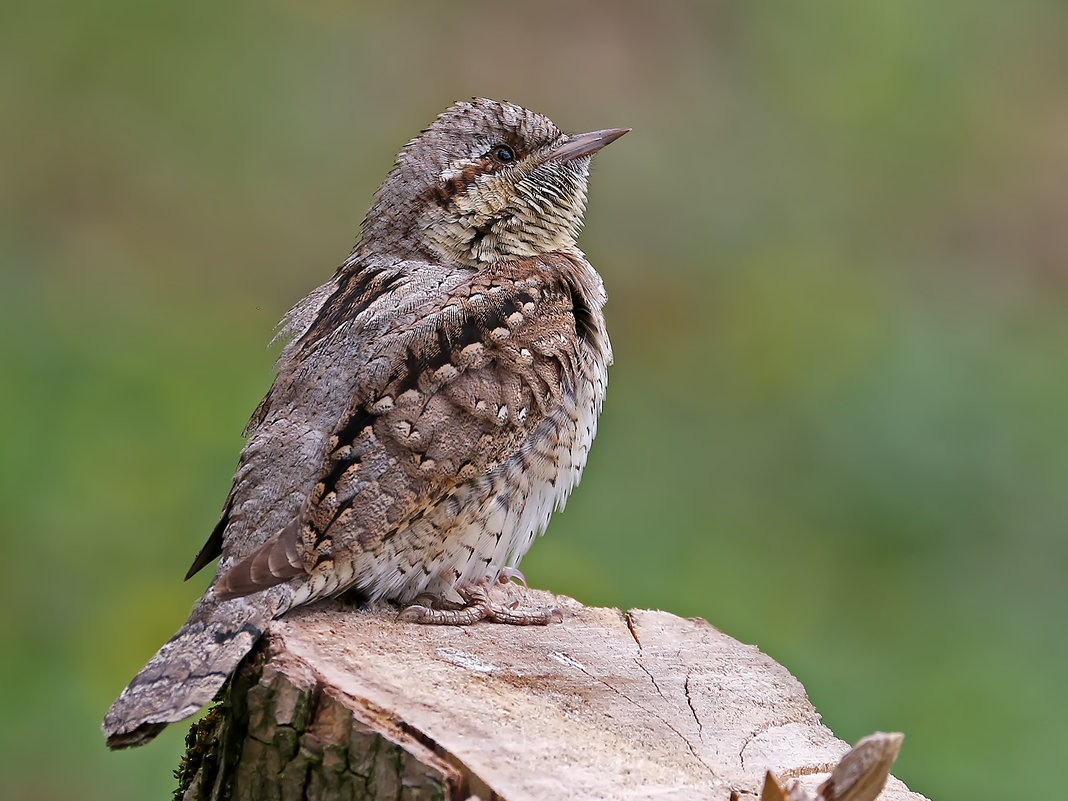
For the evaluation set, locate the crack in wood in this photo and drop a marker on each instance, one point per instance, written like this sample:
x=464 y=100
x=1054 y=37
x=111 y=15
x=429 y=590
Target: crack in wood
x=652 y=678
x=628 y=618
x=650 y=712
x=745 y=744
x=689 y=703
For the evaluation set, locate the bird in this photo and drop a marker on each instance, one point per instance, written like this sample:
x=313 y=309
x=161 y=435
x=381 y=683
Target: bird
x=433 y=404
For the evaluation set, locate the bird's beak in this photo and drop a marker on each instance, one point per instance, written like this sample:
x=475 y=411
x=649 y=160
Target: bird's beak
x=580 y=145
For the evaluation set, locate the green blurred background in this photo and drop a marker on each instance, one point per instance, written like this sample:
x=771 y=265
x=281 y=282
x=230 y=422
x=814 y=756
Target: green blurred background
x=836 y=250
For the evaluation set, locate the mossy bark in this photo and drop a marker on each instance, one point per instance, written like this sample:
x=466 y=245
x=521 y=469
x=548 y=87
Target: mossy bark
x=273 y=739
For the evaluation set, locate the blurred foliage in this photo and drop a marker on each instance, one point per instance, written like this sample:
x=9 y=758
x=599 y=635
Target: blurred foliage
x=836 y=248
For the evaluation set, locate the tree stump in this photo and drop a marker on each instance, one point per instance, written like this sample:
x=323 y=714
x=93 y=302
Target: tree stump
x=344 y=704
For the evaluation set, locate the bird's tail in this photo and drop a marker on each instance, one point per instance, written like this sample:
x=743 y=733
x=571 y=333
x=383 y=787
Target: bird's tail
x=187 y=672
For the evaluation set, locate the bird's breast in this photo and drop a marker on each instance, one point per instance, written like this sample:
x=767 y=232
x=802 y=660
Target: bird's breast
x=489 y=522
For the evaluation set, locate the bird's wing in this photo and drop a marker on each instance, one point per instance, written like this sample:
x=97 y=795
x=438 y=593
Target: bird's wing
x=450 y=390
x=287 y=431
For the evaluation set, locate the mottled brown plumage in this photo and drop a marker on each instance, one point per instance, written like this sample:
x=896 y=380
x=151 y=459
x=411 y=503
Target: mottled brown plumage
x=435 y=402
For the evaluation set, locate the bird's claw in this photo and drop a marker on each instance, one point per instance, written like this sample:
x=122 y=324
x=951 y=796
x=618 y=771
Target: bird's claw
x=508 y=574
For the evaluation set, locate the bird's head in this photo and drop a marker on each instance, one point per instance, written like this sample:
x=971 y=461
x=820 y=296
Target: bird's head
x=486 y=182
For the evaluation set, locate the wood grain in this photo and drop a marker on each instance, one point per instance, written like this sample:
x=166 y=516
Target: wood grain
x=606 y=705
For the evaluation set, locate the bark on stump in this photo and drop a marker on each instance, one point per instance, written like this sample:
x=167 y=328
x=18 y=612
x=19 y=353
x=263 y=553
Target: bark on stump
x=345 y=704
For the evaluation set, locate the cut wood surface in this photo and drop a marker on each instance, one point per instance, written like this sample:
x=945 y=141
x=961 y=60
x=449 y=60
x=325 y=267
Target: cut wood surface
x=605 y=705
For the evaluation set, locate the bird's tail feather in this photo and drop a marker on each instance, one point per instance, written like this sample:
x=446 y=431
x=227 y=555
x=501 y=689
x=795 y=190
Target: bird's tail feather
x=187 y=672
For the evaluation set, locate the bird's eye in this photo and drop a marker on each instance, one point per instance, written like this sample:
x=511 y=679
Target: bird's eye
x=503 y=154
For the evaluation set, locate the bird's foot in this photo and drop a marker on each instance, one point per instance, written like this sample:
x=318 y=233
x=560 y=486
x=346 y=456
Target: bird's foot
x=479 y=606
